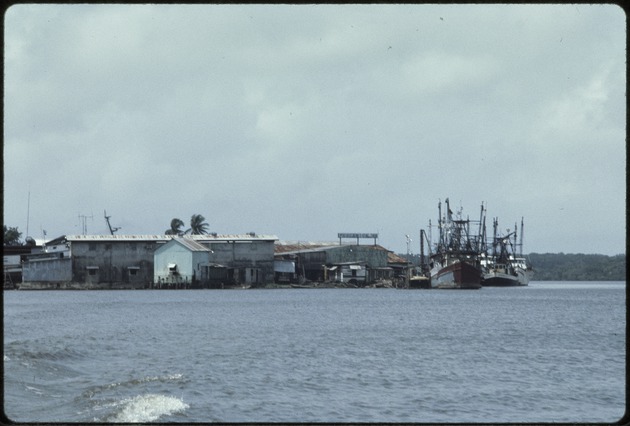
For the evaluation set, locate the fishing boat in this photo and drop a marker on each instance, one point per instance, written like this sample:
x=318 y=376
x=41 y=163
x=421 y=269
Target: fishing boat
x=456 y=264
x=502 y=268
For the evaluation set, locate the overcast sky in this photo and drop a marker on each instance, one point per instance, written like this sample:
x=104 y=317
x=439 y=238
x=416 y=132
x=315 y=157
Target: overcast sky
x=306 y=121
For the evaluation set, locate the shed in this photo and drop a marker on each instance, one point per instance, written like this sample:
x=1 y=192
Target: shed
x=180 y=263
x=356 y=264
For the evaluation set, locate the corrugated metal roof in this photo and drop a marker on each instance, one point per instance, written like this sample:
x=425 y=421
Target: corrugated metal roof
x=205 y=237
x=394 y=258
x=292 y=247
x=190 y=244
x=118 y=237
x=282 y=247
x=233 y=237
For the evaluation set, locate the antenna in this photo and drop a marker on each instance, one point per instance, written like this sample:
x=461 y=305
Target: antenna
x=83 y=219
x=28 y=210
x=111 y=230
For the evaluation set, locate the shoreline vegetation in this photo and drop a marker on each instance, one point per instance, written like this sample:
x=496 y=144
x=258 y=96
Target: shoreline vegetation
x=578 y=267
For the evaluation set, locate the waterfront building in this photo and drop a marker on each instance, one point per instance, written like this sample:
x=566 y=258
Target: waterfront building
x=93 y=262
x=180 y=263
x=215 y=261
x=330 y=261
x=127 y=261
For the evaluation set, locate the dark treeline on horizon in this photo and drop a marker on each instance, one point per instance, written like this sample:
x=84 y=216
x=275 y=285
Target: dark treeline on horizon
x=569 y=267
x=578 y=267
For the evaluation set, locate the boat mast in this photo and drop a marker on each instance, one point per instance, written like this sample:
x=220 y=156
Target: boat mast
x=422 y=259
x=440 y=227
x=515 y=238
x=495 y=224
x=521 y=243
x=482 y=231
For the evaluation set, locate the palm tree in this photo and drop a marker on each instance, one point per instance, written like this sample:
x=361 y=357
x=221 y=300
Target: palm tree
x=198 y=226
x=176 y=227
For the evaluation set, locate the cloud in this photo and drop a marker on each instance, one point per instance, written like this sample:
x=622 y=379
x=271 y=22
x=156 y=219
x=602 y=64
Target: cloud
x=304 y=121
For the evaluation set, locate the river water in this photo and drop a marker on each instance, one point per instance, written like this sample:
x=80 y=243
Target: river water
x=549 y=352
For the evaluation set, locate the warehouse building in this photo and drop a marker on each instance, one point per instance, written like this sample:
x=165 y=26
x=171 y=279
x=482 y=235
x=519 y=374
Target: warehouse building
x=215 y=261
x=93 y=262
x=127 y=261
x=350 y=263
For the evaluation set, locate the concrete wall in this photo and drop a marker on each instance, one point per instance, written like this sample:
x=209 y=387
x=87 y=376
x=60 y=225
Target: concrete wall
x=118 y=263
x=50 y=270
x=254 y=259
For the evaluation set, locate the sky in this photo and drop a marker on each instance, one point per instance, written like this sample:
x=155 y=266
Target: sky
x=305 y=121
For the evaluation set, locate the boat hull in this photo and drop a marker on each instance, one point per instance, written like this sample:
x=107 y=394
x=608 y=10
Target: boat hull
x=523 y=276
x=457 y=275
x=498 y=279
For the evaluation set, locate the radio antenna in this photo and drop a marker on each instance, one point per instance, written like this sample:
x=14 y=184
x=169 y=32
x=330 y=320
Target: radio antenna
x=111 y=230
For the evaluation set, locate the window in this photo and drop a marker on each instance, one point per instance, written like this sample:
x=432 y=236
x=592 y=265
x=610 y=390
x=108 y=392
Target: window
x=92 y=270
x=133 y=270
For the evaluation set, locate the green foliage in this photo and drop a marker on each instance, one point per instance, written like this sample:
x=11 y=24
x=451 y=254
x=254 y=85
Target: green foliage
x=578 y=267
x=12 y=236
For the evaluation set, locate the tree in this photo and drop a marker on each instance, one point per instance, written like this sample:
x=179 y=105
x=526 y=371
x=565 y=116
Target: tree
x=12 y=236
x=176 y=227
x=198 y=226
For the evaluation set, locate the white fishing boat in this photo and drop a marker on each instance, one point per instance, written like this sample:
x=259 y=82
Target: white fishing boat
x=502 y=268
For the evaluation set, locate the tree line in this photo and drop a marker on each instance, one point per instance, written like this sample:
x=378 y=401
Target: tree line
x=578 y=267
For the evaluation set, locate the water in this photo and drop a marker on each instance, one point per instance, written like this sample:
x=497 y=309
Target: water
x=550 y=352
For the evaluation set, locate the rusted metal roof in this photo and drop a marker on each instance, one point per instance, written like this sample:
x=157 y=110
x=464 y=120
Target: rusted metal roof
x=292 y=247
x=282 y=247
x=394 y=258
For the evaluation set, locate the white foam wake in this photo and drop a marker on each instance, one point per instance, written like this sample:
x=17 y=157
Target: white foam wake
x=148 y=408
